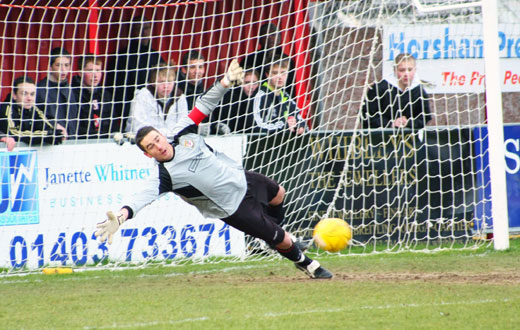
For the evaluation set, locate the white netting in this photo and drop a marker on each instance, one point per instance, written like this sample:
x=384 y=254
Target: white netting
x=399 y=188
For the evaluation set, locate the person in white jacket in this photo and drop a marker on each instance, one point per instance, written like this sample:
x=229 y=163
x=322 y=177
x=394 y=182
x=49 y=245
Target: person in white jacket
x=154 y=105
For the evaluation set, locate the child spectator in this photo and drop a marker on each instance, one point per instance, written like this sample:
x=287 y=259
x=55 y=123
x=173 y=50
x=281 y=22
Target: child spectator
x=129 y=69
x=55 y=95
x=236 y=110
x=154 y=106
x=274 y=110
x=96 y=102
x=23 y=121
x=399 y=101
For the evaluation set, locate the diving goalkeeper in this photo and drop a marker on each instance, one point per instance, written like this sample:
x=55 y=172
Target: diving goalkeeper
x=216 y=185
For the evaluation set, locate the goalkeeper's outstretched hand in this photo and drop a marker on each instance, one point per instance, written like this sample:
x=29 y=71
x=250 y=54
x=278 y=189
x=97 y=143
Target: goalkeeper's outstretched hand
x=108 y=228
x=234 y=75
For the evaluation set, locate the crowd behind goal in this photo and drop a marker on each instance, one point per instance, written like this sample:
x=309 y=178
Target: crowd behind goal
x=137 y=87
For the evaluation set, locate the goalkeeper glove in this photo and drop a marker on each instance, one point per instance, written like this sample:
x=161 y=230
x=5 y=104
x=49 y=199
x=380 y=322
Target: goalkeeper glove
x=118 y=138
x=107 y=228
x=130 y=137
x=204 y=129
x=234 y=75
x=222 y=129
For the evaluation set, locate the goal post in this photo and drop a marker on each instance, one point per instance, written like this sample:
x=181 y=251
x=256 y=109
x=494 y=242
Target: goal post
x=494 y=106
x=495 y=126
x=414 y=188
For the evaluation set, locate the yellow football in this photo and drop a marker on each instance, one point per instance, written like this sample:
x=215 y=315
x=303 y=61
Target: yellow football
x=332 y=234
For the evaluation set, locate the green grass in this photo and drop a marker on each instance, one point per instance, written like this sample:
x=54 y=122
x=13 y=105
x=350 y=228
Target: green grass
x=451 y=290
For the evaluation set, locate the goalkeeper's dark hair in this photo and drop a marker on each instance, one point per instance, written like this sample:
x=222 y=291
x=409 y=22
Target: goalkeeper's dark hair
x=59 y=52
x=141 y=133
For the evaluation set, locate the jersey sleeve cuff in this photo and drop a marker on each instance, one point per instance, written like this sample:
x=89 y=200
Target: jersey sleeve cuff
x=196 y=115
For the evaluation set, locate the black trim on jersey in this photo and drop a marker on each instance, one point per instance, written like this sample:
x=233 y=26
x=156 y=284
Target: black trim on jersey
x=165 y=185
x=209 y=147
x=165 y=180
x=188 y=192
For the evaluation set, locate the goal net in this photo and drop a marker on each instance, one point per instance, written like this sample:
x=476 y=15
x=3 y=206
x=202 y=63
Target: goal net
x=328 y=130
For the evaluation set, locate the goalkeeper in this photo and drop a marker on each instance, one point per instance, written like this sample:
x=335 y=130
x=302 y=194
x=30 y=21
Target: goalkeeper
x=213 y=183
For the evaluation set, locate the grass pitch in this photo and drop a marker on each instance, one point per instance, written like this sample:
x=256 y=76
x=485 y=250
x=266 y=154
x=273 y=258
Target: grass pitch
x=451 y=290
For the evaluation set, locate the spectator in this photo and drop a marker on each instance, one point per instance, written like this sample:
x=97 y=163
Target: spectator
x=399 y=101
x=191 y=83
x=23 y=121
x=273 y=109
x=236 y=110
x=269 y=39
x=96 y=102
x=191 y=76
x=129 y=69
x=54 y=94
x=154 y=105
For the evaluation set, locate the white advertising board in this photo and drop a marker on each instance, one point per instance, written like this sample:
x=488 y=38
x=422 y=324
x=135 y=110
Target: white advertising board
x=53 y=197
x=450 y=57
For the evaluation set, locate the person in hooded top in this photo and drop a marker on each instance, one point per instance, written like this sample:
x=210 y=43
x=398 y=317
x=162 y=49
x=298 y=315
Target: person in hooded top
x=399 y=101
x=154 y=105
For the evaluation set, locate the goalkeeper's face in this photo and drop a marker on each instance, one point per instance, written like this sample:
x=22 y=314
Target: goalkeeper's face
x=156 y=146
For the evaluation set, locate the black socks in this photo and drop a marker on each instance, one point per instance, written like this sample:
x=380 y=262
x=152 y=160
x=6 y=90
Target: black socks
x=295 y=255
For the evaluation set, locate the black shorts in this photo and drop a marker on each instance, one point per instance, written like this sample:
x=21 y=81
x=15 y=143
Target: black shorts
x=252 y=217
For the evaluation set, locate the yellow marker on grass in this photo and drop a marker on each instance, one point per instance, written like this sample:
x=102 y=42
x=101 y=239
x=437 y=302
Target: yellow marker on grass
x=57 y=270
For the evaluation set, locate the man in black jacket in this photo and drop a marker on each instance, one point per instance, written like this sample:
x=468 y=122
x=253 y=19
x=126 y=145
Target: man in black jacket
x=129 y=69
x=54 y=94
x=23 y=121
x=96 y=102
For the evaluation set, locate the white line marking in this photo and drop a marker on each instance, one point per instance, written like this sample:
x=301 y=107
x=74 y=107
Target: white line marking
x=310 y=311
x=147 y=324
x=443 y=303
x=201 y=272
